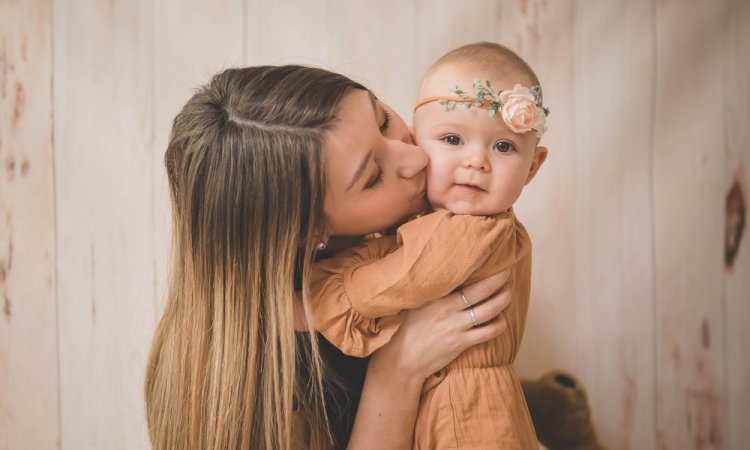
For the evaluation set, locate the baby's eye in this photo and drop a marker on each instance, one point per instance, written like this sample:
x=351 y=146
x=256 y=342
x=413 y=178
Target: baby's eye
x=452 y=139
x=503 y=146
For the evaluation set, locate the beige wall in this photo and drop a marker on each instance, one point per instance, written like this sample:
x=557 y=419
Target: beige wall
x=648 y=132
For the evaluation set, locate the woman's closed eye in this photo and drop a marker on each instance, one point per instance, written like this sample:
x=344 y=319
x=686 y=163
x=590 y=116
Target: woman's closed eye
x=386 y=122
x=504 y=146
x=375 y=180
x=452 y=139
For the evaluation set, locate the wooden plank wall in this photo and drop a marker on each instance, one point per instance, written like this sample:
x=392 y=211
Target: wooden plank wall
x=29 y=377
x=641 y=276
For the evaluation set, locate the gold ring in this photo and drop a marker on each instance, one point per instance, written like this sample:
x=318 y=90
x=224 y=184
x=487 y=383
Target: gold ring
x=463 y=297
x=473 y=317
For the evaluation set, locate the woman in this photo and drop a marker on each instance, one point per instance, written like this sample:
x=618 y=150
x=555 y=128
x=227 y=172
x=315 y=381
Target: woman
x=267 y=166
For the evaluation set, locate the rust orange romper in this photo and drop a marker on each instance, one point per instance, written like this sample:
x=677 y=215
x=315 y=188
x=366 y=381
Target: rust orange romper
x=476 y=401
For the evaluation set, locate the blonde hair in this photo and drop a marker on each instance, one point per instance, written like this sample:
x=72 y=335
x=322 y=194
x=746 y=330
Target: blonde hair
x=247 y=185
x=488 y=57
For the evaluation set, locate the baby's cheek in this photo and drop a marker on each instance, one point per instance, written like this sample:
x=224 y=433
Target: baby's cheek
x=439 y=177
x=436 y=190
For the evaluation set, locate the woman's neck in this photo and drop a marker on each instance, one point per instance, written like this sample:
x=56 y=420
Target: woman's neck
x=338 y=243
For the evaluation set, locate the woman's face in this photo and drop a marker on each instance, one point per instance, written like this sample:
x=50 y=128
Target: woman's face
x=375 y=174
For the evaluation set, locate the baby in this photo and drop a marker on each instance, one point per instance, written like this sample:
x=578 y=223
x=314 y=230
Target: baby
x=479 y=117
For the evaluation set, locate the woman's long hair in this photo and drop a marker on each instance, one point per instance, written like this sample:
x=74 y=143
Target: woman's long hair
x=247 y=185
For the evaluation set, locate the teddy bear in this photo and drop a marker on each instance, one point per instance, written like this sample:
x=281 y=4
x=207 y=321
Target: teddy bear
x=560 y=412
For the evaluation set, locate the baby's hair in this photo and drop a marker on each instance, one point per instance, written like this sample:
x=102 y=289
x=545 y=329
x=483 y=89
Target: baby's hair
x=486 y=57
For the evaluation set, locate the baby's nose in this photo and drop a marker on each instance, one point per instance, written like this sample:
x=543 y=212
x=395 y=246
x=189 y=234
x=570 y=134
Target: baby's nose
x=476 y=160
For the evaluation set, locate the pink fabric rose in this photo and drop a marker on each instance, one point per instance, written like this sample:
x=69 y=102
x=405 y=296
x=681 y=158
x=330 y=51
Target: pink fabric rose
x=520 y=112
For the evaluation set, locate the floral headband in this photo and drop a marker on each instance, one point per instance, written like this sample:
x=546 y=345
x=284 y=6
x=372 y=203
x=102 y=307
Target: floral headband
x=520 y=108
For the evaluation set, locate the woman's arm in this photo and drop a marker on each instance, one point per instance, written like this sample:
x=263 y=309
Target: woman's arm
x=428 y=259
x=429 y=338
x=357 y=295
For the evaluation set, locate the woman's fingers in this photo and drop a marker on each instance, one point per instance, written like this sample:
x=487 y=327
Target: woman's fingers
x=489 y=309
x=476 y=292
x=486 y=332
x=434 y=334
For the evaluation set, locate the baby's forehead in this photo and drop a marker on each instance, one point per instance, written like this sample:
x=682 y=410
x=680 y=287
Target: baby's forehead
x=462 y=74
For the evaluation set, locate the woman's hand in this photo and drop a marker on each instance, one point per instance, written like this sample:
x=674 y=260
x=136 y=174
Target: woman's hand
x=429 y=338
x=432 y=336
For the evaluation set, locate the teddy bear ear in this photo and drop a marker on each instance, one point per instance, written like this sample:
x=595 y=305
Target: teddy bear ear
x=565 y=379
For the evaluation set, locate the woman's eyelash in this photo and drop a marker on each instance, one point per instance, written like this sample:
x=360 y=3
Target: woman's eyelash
x=377 y=180
x=386 y=122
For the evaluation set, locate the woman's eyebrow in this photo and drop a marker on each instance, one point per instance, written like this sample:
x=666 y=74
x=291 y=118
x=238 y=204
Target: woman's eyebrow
x=360 y=170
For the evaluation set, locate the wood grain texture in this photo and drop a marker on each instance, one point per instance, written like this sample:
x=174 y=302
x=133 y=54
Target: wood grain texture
x=543 y=34
x=631 y=215
x=103 y=72
x=689 y=192
x=371 y=42
x=441 y=27
x=614 y=239
x=736 y=88
x=29 y=415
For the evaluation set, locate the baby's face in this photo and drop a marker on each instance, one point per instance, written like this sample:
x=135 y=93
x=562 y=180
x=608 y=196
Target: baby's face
x=477 y=164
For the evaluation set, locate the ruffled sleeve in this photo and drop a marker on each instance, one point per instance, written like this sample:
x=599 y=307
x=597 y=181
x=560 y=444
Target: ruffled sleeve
x=436 y=254
x=358 y=295
x=334 y=314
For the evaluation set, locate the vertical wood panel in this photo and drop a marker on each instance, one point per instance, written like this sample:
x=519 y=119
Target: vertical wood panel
x=289 y=32
x=689 y=193
x=376 y=43
x=371 y=42
x=28 y=343
x=103 y=101
x=630 y=287
x=737 y=97
x=441 y=26
x=184 y=60
x=615 y=286
x=542 y=33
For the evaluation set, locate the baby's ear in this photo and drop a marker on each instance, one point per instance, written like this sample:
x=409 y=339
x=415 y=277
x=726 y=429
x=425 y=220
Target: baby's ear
x=540 y=154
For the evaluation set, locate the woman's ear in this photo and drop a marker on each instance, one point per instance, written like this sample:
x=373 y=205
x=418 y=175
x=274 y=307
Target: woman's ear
x=540 y=155
x=320 y=242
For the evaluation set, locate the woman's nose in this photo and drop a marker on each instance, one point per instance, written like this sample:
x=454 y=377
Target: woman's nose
x=411 y=160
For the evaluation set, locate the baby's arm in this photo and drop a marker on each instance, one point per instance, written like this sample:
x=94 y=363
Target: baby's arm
x=357 y=295
x=436 y=254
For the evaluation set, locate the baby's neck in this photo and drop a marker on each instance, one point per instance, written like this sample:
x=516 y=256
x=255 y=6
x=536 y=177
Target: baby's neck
x=433 y=209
